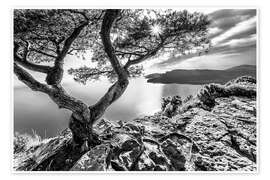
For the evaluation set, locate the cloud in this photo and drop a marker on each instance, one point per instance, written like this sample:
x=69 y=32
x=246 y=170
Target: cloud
x=239 y=28
x=231 y=48
x=228 y=18
x=220 y=60
x=214 y=31
x=250 y=40
x=233 y=36
x=231 y=13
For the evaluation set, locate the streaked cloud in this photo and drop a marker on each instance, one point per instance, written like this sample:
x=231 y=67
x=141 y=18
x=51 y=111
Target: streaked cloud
x=250 y=40
x=239 y=28
x=214 y=30
x=233 y=35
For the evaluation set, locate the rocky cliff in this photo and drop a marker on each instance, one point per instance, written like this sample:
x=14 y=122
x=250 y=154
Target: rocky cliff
x=213 y=131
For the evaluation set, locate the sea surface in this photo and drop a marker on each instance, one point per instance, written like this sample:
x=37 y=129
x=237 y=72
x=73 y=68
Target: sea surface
x=35 y=111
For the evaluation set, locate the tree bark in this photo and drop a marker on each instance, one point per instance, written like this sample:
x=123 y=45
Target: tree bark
x=113 y=93
x=82 y=133
x=83 y=117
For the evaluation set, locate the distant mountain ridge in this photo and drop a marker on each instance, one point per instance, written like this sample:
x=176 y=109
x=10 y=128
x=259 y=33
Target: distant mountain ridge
x=201 y=76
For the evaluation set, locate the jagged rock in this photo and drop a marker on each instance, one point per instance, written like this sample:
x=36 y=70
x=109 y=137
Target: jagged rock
x=93 y=160
x=176 y=156
x=227 y=143
x=214 y=131
x=32 y=158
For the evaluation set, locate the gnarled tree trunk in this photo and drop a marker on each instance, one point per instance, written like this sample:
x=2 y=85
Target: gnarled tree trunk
x=82 y=126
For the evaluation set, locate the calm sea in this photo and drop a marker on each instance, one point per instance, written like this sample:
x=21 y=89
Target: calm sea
x=34 y=111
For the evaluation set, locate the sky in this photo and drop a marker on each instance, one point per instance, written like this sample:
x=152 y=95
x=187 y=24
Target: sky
x=233 y=36
x=232 y=33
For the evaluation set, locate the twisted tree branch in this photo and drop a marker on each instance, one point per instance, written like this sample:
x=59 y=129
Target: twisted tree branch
x=118 y=88
x=31 y=66
x=68 y=42
x=108 y=20
x=23 y=61
x=145 y=57
x=57 y=94
x=55 y=75
x=29 y=80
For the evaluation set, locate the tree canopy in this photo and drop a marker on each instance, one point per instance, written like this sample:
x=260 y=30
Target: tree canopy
x=136 y=35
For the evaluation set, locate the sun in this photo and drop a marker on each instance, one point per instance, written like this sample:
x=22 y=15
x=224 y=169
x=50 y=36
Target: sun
x=156 y=29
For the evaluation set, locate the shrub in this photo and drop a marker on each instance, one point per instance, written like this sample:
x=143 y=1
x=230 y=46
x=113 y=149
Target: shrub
x=22 y=142
x=170 y=104
x=242 y=80
x=242 y=86
x=187 y=99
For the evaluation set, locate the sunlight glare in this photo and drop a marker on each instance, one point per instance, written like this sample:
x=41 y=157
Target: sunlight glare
x=156 y=29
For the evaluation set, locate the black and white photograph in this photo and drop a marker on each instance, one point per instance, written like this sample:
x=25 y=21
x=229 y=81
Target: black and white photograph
x=135 y=89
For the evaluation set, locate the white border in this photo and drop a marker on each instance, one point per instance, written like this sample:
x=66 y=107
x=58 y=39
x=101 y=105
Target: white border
x=262 y=75
x=143 y=172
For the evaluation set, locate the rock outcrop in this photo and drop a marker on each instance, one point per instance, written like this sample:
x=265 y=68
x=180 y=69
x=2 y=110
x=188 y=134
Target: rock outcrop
x=214 y=131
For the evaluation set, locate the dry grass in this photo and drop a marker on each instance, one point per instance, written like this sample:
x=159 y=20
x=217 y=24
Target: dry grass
x=23 y=142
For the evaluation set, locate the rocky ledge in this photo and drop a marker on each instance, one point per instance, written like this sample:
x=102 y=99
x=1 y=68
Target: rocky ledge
x=213 y=131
